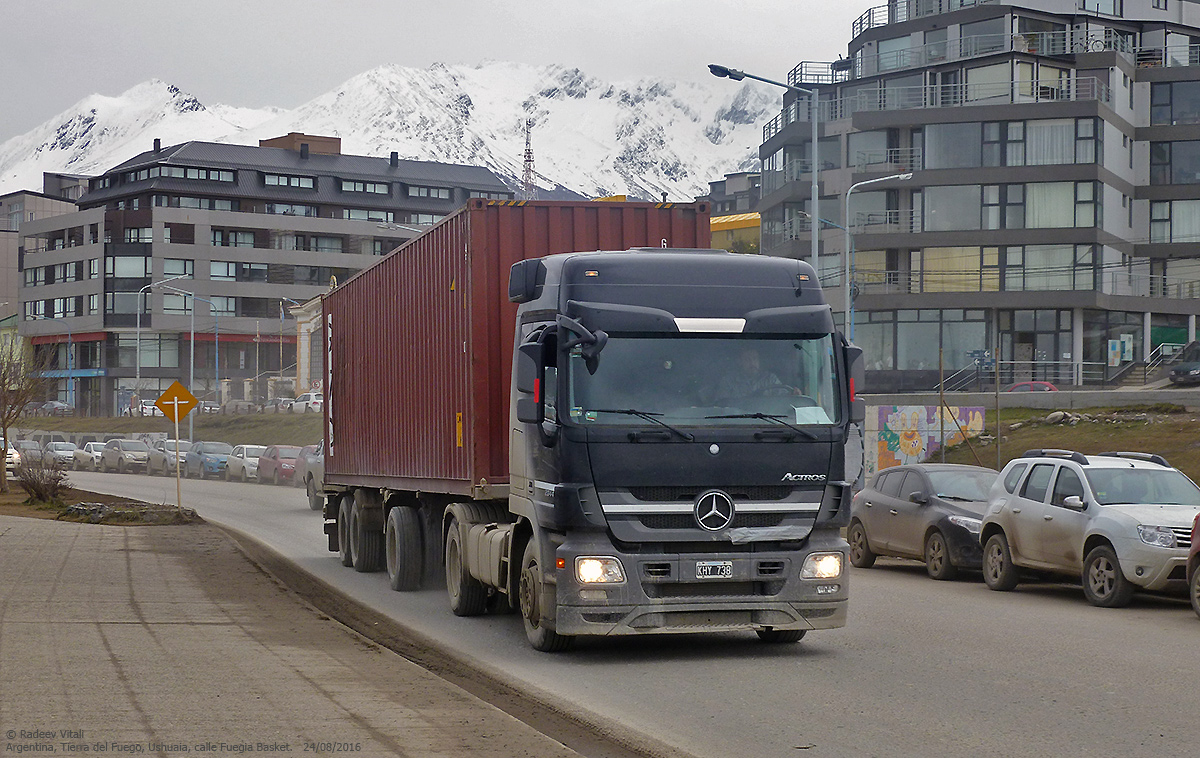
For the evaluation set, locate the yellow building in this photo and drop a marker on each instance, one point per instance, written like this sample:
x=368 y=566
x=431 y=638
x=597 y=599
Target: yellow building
x=738 y=233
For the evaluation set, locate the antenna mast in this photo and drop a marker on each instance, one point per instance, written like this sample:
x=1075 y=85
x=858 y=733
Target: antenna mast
x=528 y=188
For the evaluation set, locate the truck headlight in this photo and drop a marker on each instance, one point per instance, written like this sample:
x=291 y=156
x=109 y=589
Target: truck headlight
x=598 y=570
x=1159 y=536
x=822 y=566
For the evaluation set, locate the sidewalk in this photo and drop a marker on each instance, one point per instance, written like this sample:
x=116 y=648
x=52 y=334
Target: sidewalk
x=167 y=641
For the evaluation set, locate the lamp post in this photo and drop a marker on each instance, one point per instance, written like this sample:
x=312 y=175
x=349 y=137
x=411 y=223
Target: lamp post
x=849 y=313
x=137 y=382
x=293 y=302
x=737 y=76
x=192 y=354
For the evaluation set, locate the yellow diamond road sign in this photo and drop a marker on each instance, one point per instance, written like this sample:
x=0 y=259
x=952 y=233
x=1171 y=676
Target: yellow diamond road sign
x=176 y=402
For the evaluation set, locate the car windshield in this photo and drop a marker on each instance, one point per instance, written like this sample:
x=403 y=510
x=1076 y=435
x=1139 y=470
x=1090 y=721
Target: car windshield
x=217 y=448
x=136 y=446
x=254 y=451
x=962 y=485
x=702 y=380
x=62 y=446
x=289 y=452
x=181 y=446
x=1116 y=486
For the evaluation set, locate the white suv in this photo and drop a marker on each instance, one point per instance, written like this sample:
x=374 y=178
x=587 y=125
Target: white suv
x=309 y=402
x=1117 y=520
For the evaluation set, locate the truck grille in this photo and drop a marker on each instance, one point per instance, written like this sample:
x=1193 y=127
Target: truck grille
x=688 y=521
x=684 y=494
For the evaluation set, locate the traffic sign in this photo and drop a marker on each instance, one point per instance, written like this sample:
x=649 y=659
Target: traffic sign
x=176 y=402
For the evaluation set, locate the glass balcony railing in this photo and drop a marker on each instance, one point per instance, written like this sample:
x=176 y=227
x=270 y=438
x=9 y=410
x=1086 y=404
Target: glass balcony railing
x=906 y=10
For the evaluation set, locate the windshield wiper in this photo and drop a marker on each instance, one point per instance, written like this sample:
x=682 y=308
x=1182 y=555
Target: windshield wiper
x=773 y=418
x=648 y=416
x=957 y=497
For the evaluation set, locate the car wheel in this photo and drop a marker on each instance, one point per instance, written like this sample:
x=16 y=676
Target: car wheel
x=1194 y=590
x=937 y=558
x=861 y=555
x=120 y=465
x=530 y=592
x=402 y=545
x=203 y=472
x=314 y=498
x=999 y=573
x=275 y=477
x=780 y=636
x=228 y=475
x=1104 y=584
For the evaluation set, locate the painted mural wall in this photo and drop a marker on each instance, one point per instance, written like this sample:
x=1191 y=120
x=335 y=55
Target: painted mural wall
x=898 y=434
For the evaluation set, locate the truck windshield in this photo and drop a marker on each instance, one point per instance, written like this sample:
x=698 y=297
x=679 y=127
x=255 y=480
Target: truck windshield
x=702 y=380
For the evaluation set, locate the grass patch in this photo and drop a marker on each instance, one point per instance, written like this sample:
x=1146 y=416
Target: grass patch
x=92 y=507
x=242 y=429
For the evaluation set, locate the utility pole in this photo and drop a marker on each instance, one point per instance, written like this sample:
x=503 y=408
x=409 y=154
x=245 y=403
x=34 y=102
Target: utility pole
x=528 y=187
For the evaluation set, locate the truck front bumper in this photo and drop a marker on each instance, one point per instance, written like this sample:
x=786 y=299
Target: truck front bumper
x=663 y=592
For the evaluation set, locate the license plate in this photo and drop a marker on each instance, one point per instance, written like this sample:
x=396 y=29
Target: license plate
x=714 y=569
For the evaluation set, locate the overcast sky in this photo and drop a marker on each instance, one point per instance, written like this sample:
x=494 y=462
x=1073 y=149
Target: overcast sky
x=256 y=53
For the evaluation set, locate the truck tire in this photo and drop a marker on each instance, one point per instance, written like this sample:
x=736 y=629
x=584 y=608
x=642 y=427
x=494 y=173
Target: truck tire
x=314 y=497
x=366 y=544
x=468 y=595
x=540 y=636
x=402 y=545
x=343 y=524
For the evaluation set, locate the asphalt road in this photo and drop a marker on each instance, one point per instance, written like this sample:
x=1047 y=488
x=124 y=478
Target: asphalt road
x=923 y=667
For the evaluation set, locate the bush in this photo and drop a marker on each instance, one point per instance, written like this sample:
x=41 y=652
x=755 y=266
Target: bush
x=43 y=480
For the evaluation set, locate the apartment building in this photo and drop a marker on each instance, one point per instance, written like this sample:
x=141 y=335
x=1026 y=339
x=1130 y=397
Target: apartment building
x=182 y=262
x=1053 y=211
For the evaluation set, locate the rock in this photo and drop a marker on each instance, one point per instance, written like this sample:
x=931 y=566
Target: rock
x=1056 y=418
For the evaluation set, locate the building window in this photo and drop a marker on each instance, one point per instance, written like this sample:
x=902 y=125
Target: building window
x=376 y=188
x=35 y=277
x=93 y=268
x=290 y=209
x=224 y=306
x=228 y=238
x=440 y=193
x=1175 y=221
x=127 y=267
x=368 y=215
x=158 y=351
x=223 y=271
x=1061 y=204
x=182 y=267
x=428 y=219
x=123 y=303
x=1175 y=162
x=201 y=203
x=139 y=234
x=953 y=145
x=326 y=244
x=283 y=180
x=1107 y=7
x=176 y=304
x=490 y=195
x=93 y=304
x=181 y=172
x=35 y=309
x=1160 y=4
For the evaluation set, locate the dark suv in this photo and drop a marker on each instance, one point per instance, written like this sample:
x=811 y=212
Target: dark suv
x=1118 y=521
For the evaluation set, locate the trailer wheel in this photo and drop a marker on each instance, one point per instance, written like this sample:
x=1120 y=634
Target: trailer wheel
x=402 y=544
x=540 y=636
x=366 y=545
x=343 y=529
x=468 y=596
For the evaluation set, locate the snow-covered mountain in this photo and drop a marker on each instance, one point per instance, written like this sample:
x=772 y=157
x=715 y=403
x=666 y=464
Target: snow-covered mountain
x=589 y=136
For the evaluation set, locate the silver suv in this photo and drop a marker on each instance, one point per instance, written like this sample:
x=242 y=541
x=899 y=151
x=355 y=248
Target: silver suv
x=1117 y=520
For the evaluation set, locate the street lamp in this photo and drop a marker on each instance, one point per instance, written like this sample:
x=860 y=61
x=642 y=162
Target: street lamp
x=737 y=76
x=137 y=382
x=293 y=302
x=192 y=354
x=849 y=313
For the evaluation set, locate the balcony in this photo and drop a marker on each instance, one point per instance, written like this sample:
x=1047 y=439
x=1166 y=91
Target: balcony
x=906 y=10
x=944 y=96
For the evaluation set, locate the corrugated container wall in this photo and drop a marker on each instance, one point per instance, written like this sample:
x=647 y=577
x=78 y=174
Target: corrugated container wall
x=420 y=344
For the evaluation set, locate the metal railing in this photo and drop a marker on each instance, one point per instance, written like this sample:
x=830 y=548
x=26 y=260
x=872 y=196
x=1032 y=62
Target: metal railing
x=1081 y=279
x=886 y=222
x=905 y=10
x=1167 y=56
x=941 y=96
x=900 y=159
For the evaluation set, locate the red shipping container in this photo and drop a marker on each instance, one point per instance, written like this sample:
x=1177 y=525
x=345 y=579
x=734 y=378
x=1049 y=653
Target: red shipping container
x=420 y=344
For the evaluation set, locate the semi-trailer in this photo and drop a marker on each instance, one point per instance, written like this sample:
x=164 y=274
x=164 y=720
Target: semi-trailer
x=575 y=411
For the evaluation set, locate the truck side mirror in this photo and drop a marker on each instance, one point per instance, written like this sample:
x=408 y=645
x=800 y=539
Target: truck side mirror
x=529 y=367
x=856 y=368
x=529 y=411
x=525 y=280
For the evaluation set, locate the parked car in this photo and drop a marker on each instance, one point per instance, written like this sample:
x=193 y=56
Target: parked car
x=1193 y=567
x=32 y=408
x=12 y=458
x=62 y=453
x=277 y=464
x=314 y=476
x=87 y=457
x=1186 y=369
x=166 y=455
x=28 y=451
x=208 y=406
x=124 y=455
x=1119 y=521
x=243 y=463
x=55 y=408
x=309 y=402
x=278 y=405
x=206 y=459
x=302 y=465
x=1031 y=387
x=927 y=511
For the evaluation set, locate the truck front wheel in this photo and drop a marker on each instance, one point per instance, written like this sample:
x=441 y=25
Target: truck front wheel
x=541 y=636
x=402 y=543
x=366 y=544
x=468 y=595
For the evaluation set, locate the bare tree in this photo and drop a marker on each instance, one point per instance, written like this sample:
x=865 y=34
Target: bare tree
x=22 y=381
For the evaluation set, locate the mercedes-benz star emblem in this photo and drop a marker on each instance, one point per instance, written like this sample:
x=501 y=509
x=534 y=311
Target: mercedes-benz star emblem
x=714 y=510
